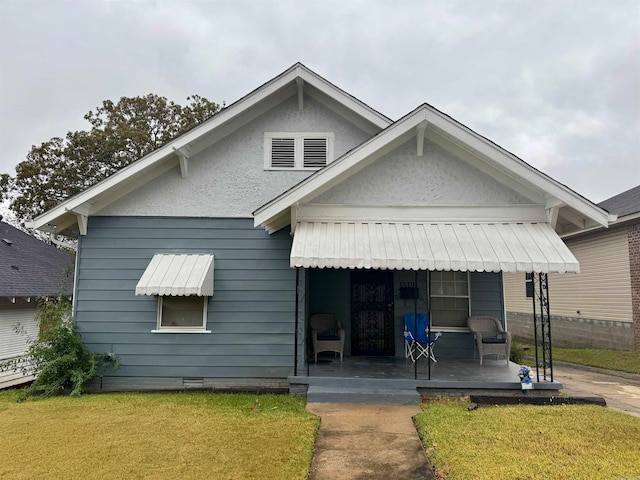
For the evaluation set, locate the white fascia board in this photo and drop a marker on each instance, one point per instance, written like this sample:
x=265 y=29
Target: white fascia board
x=512 y=163
x=338 y=170
x=344 y=98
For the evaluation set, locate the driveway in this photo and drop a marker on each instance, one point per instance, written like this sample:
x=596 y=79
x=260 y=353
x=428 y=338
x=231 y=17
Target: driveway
x=622 y=394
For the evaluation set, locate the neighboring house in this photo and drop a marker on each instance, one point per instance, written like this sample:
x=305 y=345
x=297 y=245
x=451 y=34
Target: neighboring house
x=200 y=263
x=31 y=269
x=599 y=307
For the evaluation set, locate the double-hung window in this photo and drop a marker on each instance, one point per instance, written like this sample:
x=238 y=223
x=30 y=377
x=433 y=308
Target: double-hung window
x=297 y=150
x=450 y=299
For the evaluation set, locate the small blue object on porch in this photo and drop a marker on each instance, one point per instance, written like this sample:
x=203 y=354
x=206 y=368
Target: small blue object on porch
x=418 y=343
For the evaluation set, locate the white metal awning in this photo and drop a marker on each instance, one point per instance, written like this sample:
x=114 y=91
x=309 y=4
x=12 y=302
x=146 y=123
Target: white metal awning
x=481 y=247
x=179 y=275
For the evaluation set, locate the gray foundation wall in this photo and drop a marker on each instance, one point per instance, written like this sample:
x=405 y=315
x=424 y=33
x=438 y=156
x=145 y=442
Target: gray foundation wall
x=572 y=332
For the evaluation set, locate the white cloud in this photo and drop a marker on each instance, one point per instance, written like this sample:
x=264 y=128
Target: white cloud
x=557 y=83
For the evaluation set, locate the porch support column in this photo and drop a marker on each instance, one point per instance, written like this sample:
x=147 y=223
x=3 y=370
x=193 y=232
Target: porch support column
x=415 y=325
x=295 y=344
x=428 y=290
x=542 y=326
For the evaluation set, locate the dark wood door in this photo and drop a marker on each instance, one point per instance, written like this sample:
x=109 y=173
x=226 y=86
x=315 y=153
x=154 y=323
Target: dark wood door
x=372 y=313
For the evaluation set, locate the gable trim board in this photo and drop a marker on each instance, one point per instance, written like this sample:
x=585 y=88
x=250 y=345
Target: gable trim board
x=177 y=152
x=531 y=182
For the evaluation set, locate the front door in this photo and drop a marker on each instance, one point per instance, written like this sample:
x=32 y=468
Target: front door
x=372 y=313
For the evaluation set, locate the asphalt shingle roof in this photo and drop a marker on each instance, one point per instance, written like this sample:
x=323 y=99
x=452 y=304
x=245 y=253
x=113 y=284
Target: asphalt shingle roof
x=624 y=203
x=30 y=267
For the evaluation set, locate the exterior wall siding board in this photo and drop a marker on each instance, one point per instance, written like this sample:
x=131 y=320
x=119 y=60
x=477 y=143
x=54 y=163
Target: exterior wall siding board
x=601 y=290
x=486 y=294
x=251 y=314
x=205 y=372
x=11 y=316
x=121 y=339
x=589 y=309
x=131 y=350
x=13 y=344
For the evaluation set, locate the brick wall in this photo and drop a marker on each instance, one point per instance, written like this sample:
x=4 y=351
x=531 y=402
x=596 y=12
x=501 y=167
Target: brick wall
x=633 y=232
x=574 y=332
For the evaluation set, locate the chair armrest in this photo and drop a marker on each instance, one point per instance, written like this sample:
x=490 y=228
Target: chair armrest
x=341 y=333
x=504 y=335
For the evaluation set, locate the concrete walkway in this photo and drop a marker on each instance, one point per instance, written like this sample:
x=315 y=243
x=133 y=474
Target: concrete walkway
x=372 y=442
x=622 y=394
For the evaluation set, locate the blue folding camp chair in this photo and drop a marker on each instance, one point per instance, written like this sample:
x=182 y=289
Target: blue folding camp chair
x=417 y=342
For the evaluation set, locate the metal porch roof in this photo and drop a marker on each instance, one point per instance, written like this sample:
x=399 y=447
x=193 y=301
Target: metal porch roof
x=178 y=275
x=488 y=247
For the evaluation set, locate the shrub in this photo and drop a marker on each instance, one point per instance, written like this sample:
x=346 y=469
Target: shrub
x=518 y=352
x=59 y=359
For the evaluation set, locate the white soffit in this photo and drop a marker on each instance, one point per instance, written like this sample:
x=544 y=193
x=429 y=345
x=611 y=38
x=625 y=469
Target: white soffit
x=177 y=275
x=479 y=247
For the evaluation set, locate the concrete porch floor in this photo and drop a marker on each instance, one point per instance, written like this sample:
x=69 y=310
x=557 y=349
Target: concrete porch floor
x=452 y=377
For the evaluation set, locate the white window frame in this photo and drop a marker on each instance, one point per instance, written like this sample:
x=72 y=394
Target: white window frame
x=528 y=285
x=298 y=138
x=448 y=328
x=173 y=329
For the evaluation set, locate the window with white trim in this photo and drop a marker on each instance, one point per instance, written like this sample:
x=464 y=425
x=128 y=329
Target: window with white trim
x=186 y=314
x=297 y=150
x=528 y=285
x=450 y=303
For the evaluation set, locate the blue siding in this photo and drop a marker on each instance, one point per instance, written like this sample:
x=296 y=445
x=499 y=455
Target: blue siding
x=486 y=294
x=251 y=314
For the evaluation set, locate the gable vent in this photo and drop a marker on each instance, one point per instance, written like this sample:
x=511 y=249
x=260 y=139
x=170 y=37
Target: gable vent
x=282 y=152
x=315 y=152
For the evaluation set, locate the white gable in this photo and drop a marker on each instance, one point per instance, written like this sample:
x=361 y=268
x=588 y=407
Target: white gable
x=437 y=178
x=228 y=179
x=564 y=209
x=296 y=82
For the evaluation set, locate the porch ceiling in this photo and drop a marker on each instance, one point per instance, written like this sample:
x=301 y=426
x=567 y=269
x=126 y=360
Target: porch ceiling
x=488 y=247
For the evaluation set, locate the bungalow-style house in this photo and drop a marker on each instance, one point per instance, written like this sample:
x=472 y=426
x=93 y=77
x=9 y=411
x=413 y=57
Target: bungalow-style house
x=31 y=269
x=599 y=307
x=201 y=263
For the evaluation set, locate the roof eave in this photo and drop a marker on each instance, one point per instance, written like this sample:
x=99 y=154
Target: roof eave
x=80 y=204
x=312 y=186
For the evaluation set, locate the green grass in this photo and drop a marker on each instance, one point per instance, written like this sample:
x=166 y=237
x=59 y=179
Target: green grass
x=159 y=436
x=529 y=442
x=619 y=360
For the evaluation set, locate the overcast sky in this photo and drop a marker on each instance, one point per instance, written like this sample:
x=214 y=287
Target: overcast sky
x=555 y=82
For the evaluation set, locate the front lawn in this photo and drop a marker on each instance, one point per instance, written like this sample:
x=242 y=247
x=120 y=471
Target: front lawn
x=159 y=436
x=529 y=442
x=620 y=360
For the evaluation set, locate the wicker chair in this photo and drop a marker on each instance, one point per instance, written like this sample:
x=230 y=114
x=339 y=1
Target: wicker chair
x=490 y=337
x=327 y=334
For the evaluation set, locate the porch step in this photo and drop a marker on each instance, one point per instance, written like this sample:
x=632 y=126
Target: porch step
x=363 y=395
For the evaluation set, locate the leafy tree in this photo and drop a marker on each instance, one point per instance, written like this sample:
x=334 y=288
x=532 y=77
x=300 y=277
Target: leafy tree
x=120 y=133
